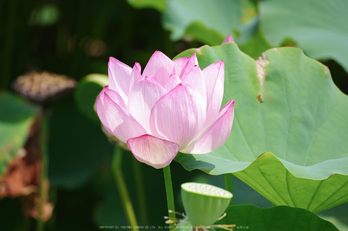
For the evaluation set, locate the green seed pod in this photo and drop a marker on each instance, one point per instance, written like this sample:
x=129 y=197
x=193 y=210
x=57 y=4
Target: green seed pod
x=204 y=203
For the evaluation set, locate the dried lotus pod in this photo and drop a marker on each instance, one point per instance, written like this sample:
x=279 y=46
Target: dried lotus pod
x=42 y=87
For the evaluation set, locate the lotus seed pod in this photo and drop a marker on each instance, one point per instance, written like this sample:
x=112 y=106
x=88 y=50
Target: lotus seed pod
x=204 y=203
x=42 y=87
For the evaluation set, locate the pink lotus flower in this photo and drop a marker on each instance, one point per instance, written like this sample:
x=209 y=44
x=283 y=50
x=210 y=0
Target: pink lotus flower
x=173 y=106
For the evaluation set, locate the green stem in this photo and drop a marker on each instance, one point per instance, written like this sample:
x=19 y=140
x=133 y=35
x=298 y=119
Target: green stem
x=121 y=185
x=140 y=191
x=53 y=199
x=228 y=185
x=43 y=175
x=170 y=195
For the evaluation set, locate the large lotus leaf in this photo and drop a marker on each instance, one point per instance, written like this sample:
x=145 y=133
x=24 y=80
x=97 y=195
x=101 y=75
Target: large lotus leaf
x=298 y=114
x=205 y=20
x=337 y=216
x=157 y=4
x=255 y=46
x=16 y=117
x=320 y=28
x=86 y=94
x=251 y=40
x=277 y=218
x=250 y=217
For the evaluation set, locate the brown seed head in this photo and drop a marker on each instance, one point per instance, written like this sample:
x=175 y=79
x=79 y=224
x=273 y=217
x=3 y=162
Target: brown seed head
x=43 y=86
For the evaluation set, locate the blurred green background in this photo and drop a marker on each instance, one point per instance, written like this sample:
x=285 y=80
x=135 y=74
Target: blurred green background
x=76 y=38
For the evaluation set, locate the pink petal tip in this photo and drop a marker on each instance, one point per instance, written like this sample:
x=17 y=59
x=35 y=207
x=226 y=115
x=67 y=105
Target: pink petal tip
x=228 y=39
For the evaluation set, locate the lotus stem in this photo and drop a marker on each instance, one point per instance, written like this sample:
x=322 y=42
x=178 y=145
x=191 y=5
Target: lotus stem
x=228 y=185
x=43 y=174
x=140 y=191
x=121 y=185
x=170 y=194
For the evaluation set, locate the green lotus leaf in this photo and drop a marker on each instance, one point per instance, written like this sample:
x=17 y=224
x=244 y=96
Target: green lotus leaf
x=86 y=94
x=16 y=117
x=197 y=17
x=157 y=4
x=337 y=216
x=288 y=109
x=250 y=217
x=251 y=40
x=319 y=28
